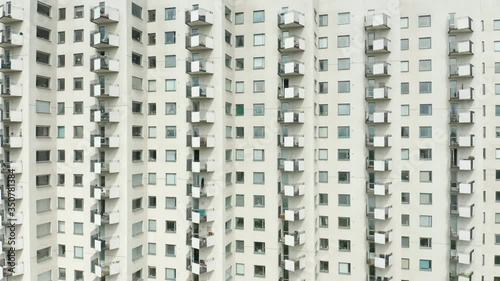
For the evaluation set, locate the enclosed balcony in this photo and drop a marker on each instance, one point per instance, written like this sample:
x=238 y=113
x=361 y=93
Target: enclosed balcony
x=11 y=90
x=9 y=39
x=199 y=17
x=460 y=25
x=291 y=165
x=290 y=117
x=378 y=93
x=104 y=218
x=104 y=64
x=291 y=92
x=10 y=64
x=12 y=270
x=466 y=117
x=203 y=266
x=462 y=141
x=197 y=241
x=14 y=116
x=377 y=46
x=199 y=42
x=378 y=21
x=291 y=19
x=199 y=67
x=110 y=142
x=462 y=187
x=383 y=237
x=15 y=192
x=292 y=190
x=466 y=94
x=466 y=211
x=106 y=167
x=199 y=166
x=15 y=167
x=10 y=13
x=202 y=215
x=200 y=92
x=291 y=68
x=106 y=192
x=12 y=142
x=293 y=214
x=104 y=39
x=381 y=260
x=200 y=141
x=380 y=189
x=104 y=90
x=108 y=243
x=379 y=141
x=379 y=165
x=462 y=48
x=293 y=264
x=104 y=14
x=461 y=71
x=291 y=141
x=291 y=43
x=104 y=268
x=294 y=238
x=378 y=69
x=107 y=116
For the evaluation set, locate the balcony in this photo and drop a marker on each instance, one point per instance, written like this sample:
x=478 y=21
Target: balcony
x=465 y=276
x=108 y=243
x=104 y=116
x=104 y=90
x=11 y=90
x=106 y=218
x=462 y=117
x=208 y=190
x=379 y=278
x=466 y=211
x=8 y=39
x=295 y=238
x=462 y=141
x=103 y=269
x=290 y=117
x=380 y=261
x=377 y=46
x=15 y=167
x=378 y=69
x=12 y=270
x=294 y=264
x=14 y=244
x=463 y=48
x=383 y=237
x=379 y=189
x=291 y=43
x=10 y=65
x=202 y=215
x=464 y=164
x=110 y=142
x=462 y=187
x=291 y=141
x=461 y=71
x=462 y=94
x=384 y=213
x=104 y=14
x=13 y=219
x=379 y=141
x=200 y=141
x=379 y=21
x=12 y=142
x=197 y=241
x=16 y=193
x=460 y=25
x=104 y=64
x=106 y=192
x=104 y=39
x=466 y=235
x=106 y=167
x=379 y=165
x=203 y=266
x=14 y=116
x=199 y=42
x=291 y=68
x=200 y=92
x=378 y=93
x=291 y=19
x=293 y=214
x=200 y=166
x=199 y=17
x=291 y=92
x=292 y=190
x=10 y=13
x=291 y=165
x=199 y=67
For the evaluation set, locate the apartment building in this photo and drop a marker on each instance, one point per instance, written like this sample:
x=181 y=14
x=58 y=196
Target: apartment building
x=250 y=140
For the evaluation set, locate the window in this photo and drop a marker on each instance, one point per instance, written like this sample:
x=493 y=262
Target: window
x=425 y=265
x=259 y=63
x=344 y=177
x=258 y=132
x=343 y=132
x=426 y=198
x=136 y=83
x=405 y=242
x=170 y=179
x=42 y=106
x=404 y=22
x=170 y=13
x=42 y=57
x=424 y=43
x=259 y=16
x=405 y=44
x=323 y=154
x=239 y=155
x=78 y=252
x=405 y=220
x=258 y=109
x=240 y=109
x=425 y=243
x=259 y=271
x=405 y=263
x=43 y=9
x=78 y=35
x=344 y=64
x=323 y=42
x=425 y=221
x=343 y=154
x=323 y=87
x=405 y=110
x=424 y=21
x=426 y=154
x=239 y=18
x=228 y=85
x=344 y=200
x=151 y=38
x=170 y=108
x=343 y=41
x=259 y=201
x=425 y=109
x=43 y=205
x=136 y=59
x=42 y=131
x=323 y=176
x=425 y=132
x=151 y=15
x=323 y=199
x=425 y=176
x=424 y=65
x=259 y=39
x=323 y=20
x=240 y=64
x=322 y=132
x=78 y=155
x=323 y=266
x=78 y=59
x=136 y=10
x=344 y=268
x=323 y=110
x=258 y=178
x=425 y=87
x=344 y=87
x=170 y=37
x=324 y=244
x=42 y=82
x=258 y=155
x=78 y=12
x=170 y=85
x=323 y=65
x=227 y=37
x=344 y=109
x=344 y=18
x=228 y=60
x=344 y=222
x=405 y=66
x=240 y=41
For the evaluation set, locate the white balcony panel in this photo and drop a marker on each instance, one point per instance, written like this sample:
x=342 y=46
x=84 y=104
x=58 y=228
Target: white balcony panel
x=382 y=189
x=466 y=188
x=206 y=191
x=294 y=190
x=466 y=164
x=201 y=242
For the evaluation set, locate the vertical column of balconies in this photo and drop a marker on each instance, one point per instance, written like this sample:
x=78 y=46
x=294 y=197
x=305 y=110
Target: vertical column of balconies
x=11 y=139
x=378 y=143
x=291 y=164
x=106 y=118
x=462 y=143
x=200 y=236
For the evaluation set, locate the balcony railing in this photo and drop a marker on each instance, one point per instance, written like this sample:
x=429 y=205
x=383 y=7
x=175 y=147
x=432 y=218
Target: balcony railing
x=11 y=90
x=381 y=189
x=379 y=141
x=106 y=167
x=104 y=39
x=378 y=213
x=291 y=141
x=199 y=17
x=106 y=192
x=10 y=13
x=291 y=43
x=9 y=39
x=463 y=164
x=200 y=166
x=466 y=94
x=202 y=266
x=14 y=116
x=104 y=218
x=294 y=264
x=379 y=278
x=379 y=165
x=291 y=19
x=462 y=71
x=378 y=69
x=460 y=25
x=377 y=46
x=467 y=117
x=15 y=244
x=379 y=21
x=291 y=92
x=105 y=115
x=202 y=215
x=100 y=141
x=290 y=117
x=200 y=141
x=291 y=165
x=104 y=14
x=291 y=68
x=104 y=64
x=462 y=187
x=104 y=268
x=197 y=241
x=378 y=93
x=201 y=116
x=292 y=190
x=17 y=193
x=381 y=237
x=104 y=90
x=461 y=48
x=294 y=238
x=10 y=64
x=199 y=42
x=199 y=91
x=462 y=141
x=381 y=260
x=199 y=67
x=107 y=243
x=12 y=270
x=293 y=214
x=11 y=142
x=7 y=167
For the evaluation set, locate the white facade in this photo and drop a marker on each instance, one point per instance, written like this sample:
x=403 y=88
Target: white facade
x=275 y=140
